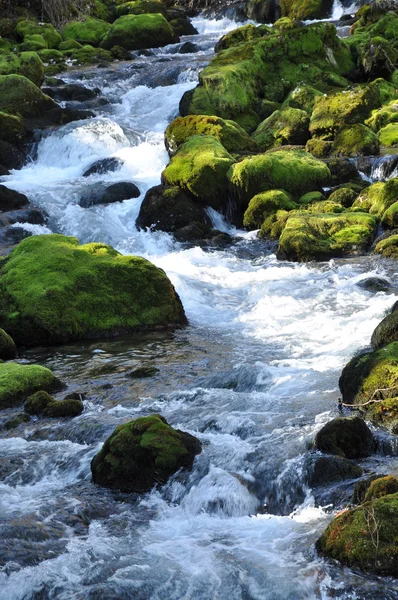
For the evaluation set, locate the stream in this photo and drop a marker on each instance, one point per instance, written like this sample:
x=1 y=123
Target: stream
x=254 y=376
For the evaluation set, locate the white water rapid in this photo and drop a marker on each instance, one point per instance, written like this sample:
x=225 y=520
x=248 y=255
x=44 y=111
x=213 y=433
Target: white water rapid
x=254 y=376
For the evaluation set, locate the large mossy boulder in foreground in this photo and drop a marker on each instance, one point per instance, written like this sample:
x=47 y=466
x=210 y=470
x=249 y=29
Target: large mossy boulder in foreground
x=143 y=453
x=323 y=236
x=349 y=437
x=53 y=290
x=17 y=382
x=19 y=96
x=136 y=32
x=294 y=171
x=365 y=537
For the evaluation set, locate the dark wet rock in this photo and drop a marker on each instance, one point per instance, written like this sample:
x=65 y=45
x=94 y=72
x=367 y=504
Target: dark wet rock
x=16 y=422
x=34 y=216
x=101 y=194
x=10 y=236
x=10 y=156
x=188 y=48
x=183 y=26
x=375 y=284
x=142 y=372
x=329 y=469
x=194 y=231
x=349 y=437
x=8 y=349
x=342 y=170
x=72 y=92
x=143 y=453
x=75 y=396
x=105 y=165
x=11 y=200
x=386 y=332
x=170 y=209
x=10 y=464
x=362 y=487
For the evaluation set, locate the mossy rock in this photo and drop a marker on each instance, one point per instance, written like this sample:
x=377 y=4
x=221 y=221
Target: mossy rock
x=183 y=26
x=377 y=198
x=356 y=140
x=19 y=96
x=344 y=196
x=51 y=56
x=386 y=331
x=42 y=403
x=376 y=57
x=16 y=421
x=33 y=43
x=388 y=247
x=286 y=23
x=306 y=9
x=319 y=148
x=294 y=171
x=141 y=7
x=323 y=236
x=310 y=198
x=350 y=537
x=349 y=437
x=383 y=116
x=143 y=453
x=233 y=137
x=264 y=206
x=26 y=29
x=17 y=382
x=388 y=135
x=38 y=402
x=390 y=217
x=247 y=33
x=383 y=486
x=369 y=372
x=329 y=469
x=283 y=127
x=352 y=106
x=325 y=206
x=262 y=11
x=11 y=127
x=68 y=46
x=27 y=64
x=90 y=55
x=8 y=349
x=137 y=32
x=5 y=46
x=53 y=290
x=200 y=167
x=89 y=31
x=303 y=97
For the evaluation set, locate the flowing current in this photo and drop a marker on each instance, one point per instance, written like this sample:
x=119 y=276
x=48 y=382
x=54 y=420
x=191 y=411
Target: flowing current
x=254 y=376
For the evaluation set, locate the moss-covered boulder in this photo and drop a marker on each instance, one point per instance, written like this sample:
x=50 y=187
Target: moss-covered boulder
x=263 y=207
x=8 y=349
x=383 y=116
x=141 y=7
x=344 y=196
x=17 y=382
x=306 y=9
x=303 y=97
x=325 y=206
x=11 y=127
x=68 y=46
x=386 y=331
x=376 y=56
x=365 y=537
x=283 y=127
x=324 y=236
x=233 y=137
x=200 y=167
x=311 y=198
x=377 y=198
x=143 y=453
x=356 y=140
x=349 y=437
x=325 y=470
x=388 y=135
x=247 y=33
x=27 y=64
x=26 y=29
x=136 y=32
x=89 y=31
x=87 y=55
x=294 y=171
x=383 y=486
x=388 y=247
x=19 y=96
x=53 y=290
x=33 y=43
x=42 y=403
x=371 y=376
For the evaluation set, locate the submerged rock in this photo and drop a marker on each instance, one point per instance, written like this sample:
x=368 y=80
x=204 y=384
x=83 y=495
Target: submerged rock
x=105 y=165
x=101 y=194
x=19 y=381
x=375 y=284
x=53 y=290
x=143 y=453
x=348 y=437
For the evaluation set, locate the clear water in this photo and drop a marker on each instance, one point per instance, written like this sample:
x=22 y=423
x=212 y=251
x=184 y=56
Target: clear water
x=254 y=376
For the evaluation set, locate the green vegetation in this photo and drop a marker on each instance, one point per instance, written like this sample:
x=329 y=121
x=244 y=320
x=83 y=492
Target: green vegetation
x=283 y=127
x=19 y=381
x=135 y=32
x=389 y=135
x=41 y=403
x=356 y=140
x=27 y=64
x=21 y=97
x=378 y=198
x=263 y=207
x=90 y=31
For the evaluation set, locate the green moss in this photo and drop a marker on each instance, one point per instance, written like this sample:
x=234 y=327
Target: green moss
x=383 y=116
x=283 y=127
x=386 y=331
x=200 y=167
x=389 y=135
x=11 y=127
x=19 y=381
x=303 y=97
x=141 y=7
x=19 y=96
x=41 y=403
x=369 y=372
x=311 y=197
x=233 y=137
x=390 y=217
x=247 y=33
x=26 y=29
x=33 y=43
x=5 y=46
x=53 y=290
x=273 y=225
x=377 y=198
x=388 y=247
x=267 y=107
x=344 y=196
x=324 y=236
x=135 y=32
x=143 y=453
x=349 y=437
x=356 y=140
x=16 y=421
x=319 y=148
x=52 y=56
x=326 y=206
x=305 y=9
x=90 y=55
x=285 y=24
x=349 y=537
x=265 y=205
x=381 y=487
x=27 y=64
x=89 y=31
x=38 y=402
x=8 y=349
x=295 y=171
x=69 y=46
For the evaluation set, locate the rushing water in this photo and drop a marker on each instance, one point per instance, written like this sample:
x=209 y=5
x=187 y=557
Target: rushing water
x=254 y=376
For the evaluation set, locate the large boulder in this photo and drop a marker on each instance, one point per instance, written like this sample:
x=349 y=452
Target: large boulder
x=263 y=207
x=386 y=331
x=11 y=200
x=102 y=194
x=349 y=437
x=19 y=381
x=325 y=470
x=141 y=7
x=200 y=167
x=25 y=29
x=53 y=290
x=324 y=236
x=143 y=453
x=294 y=171
x=356 y=140
x=378 y=198
x=283 y=127
x=136 y=32
x=306 y=9
x=19 y=96
x=27 y=64
x=365 y=537
x=89 y=31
